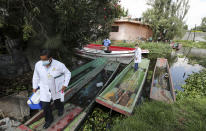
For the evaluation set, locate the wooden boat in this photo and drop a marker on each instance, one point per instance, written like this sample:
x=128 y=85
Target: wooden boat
x=72 y=107
x=124 y=91
x=78 y=121
x=122 y=54
x=162 y=87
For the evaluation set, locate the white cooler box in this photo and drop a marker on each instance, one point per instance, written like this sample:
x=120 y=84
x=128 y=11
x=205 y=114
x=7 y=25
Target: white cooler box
x=34 y=101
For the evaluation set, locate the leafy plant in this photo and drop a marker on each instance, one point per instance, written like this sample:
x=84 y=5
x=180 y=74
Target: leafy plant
x=195 y=86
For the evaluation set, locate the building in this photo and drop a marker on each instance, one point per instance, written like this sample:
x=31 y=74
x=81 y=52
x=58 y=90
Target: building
x=130 y=30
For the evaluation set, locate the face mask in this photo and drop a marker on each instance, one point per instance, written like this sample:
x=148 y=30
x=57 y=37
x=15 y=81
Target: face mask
x=45 y=63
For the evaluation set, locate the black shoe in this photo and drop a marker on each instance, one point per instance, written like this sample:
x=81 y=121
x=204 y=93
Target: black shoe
x=60 y=113
x=47 y=124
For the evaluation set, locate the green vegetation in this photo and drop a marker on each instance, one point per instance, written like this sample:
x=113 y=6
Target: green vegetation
x=156 y=49
x=195 y=86
x=186 y=43
x=100 y=120
x=180 y=55
x=58 y=25
x=166 y=18
x=153 y=47
x=202 y=26
x=188 y=113
x=157 y=116
x=197 y=60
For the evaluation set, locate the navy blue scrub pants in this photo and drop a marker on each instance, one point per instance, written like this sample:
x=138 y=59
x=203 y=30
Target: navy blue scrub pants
x=48 y=110
x=135 y=66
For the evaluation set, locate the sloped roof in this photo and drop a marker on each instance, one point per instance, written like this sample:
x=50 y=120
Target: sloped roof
x=129 y=21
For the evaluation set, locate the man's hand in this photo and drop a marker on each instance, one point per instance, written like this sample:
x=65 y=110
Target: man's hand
x=34 y=90
x=63 y=88
x=136 y=58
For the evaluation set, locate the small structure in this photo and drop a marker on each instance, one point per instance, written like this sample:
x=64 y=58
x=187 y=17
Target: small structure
x=130 y=30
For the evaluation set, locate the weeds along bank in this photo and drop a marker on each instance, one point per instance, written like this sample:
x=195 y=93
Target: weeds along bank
x=183 y=115
x=188 y=113
x=195 y=87
x=185 y=43
x=192 y=44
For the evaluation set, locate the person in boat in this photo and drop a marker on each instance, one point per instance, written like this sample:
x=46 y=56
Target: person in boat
x=176 y=45
x=137 y=57
x=107 y=43
x=52 y=77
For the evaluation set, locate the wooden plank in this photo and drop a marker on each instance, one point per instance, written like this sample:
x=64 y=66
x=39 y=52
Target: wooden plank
x=23 y=128
x=60 y=125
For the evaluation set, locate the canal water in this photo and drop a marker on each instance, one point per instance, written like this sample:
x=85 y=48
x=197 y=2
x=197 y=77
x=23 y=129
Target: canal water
x=182 y=66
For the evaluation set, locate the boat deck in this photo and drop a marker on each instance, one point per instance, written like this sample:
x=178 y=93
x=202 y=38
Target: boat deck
x=71 y=111
x=122 y=94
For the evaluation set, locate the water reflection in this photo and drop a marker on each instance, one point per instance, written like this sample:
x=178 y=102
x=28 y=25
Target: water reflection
x=180 y=71
x=180 y=65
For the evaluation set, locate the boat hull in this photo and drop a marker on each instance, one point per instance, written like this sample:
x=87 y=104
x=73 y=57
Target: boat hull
x=121 y=54
x=124 y=91
x=162 y=88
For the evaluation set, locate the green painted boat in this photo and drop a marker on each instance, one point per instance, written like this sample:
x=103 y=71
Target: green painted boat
x=85 y=89
x=79 y=78
x=124 y=91
x=162 y=88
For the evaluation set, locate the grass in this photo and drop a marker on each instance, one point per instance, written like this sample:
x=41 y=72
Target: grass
x=186 y=114
x=186 y=43
x=152 y=45
x=157 y=116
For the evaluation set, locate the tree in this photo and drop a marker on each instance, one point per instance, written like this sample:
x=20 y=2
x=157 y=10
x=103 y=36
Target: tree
x=202 y=27
x=166 y=18
x=124 y=12
x=58 y=24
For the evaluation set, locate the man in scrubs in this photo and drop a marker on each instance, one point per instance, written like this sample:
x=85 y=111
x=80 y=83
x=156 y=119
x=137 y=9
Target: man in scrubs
x=137 y=57
x=52 y=77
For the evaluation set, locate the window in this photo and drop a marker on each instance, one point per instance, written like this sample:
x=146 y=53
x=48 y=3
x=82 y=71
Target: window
x=115 y=28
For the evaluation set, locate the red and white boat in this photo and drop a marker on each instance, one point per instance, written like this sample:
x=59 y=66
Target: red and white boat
x=116 y=53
